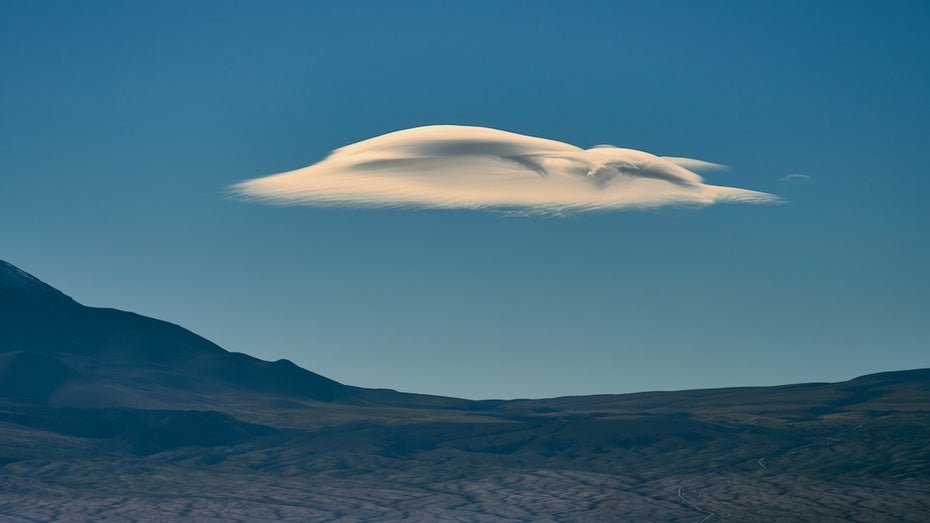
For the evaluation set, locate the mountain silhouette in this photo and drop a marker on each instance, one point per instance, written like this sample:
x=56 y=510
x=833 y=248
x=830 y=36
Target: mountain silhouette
x=48 y=339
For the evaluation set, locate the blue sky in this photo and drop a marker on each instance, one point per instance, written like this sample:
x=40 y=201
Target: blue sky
x=124 y=123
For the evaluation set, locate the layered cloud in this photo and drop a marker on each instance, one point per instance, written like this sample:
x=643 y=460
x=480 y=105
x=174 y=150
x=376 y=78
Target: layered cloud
x=450 y=166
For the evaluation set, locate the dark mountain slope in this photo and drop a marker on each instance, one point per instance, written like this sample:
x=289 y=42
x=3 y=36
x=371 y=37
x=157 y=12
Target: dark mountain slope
x=48 y=328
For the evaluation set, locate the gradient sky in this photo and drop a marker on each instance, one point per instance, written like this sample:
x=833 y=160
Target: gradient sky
x=123 y=123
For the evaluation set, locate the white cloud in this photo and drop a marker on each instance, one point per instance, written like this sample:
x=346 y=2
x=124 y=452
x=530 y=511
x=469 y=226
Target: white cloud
x=449 y=166
x=795 y=178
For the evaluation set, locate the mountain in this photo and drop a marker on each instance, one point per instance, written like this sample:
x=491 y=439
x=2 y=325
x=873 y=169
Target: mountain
x=106 y=414
x=20 y=287
x=93 y=353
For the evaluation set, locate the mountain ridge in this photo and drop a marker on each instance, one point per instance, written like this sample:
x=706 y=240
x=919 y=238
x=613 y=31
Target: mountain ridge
x=35 y=317
x=12 y=277
x=21 y=290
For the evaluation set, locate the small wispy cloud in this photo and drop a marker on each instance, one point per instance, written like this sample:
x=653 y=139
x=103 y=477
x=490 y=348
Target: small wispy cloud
x=450 y=166
x=795 y=178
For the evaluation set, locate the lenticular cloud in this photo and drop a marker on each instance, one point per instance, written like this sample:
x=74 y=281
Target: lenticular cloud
x=450 y=166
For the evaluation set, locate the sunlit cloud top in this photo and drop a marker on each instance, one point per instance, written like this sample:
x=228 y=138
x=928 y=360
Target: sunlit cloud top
x=451 y=166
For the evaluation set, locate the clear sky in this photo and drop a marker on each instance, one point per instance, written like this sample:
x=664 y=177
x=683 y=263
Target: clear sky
x=123 y=123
